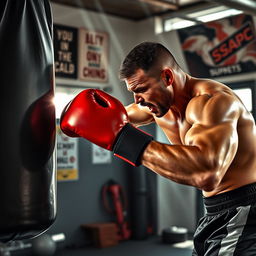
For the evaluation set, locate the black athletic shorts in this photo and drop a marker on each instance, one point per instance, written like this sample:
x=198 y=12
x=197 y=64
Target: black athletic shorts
x=229 y=226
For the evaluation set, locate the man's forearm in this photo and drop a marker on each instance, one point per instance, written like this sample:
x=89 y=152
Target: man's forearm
x=182 y=164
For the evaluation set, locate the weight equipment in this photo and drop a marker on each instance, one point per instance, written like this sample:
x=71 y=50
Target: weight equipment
x=43 y=245
x=173 y=234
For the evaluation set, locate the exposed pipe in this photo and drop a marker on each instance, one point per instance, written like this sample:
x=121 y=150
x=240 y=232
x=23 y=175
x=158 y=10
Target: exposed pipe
x=247 y=6
x=162 y=3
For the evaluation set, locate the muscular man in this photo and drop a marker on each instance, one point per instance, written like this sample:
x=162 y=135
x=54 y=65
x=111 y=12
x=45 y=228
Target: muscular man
x=213 y=145
x=212 y=134
x=212 y=142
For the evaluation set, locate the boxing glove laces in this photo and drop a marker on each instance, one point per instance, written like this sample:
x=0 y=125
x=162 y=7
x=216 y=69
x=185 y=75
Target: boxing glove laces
x=103 y=120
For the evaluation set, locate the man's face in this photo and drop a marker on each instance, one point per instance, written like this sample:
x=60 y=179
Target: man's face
x=150 y=91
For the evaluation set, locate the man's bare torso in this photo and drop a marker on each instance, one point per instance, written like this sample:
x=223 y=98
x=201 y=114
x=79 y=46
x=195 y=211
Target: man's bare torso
x=176 y=127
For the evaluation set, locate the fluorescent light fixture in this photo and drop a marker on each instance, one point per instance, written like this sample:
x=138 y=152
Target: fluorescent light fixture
x=214 y=13
x=199 y=13
x=206 y=15
x=218 y=15
x=177 y=23
x=158 y=25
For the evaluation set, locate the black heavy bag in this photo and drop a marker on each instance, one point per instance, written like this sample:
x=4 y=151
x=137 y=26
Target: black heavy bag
x=27 y=119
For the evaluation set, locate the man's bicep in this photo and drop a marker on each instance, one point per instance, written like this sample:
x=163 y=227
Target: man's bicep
x=212 y=139
x=218 y=144
x=210 y=116
x=214 y=131
x=137 y=116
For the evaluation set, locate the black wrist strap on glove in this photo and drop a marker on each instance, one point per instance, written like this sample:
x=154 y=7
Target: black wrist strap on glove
x=131 y=143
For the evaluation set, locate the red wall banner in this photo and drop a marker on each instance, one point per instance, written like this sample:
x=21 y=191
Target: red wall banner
x=220 y=48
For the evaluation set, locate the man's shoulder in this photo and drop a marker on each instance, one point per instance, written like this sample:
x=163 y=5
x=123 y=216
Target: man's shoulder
x=219 y=103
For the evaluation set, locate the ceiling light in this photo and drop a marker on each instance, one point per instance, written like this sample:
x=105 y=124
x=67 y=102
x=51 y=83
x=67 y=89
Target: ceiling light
x=198 y=16
x=202 y=12
x=218 y=15
x=177 y=23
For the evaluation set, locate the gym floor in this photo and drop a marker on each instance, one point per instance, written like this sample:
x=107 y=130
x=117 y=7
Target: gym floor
x=151 y=247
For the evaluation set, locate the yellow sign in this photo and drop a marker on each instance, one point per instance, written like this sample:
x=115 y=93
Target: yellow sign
x=67 y=174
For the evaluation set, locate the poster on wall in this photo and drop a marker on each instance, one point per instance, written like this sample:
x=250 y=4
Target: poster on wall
x=100 y=155
x=93 y=56
x=67 y=157
x=220 y=48
x=65 y=51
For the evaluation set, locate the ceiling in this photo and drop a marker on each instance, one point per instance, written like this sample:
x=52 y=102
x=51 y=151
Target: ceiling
x=132 y=9
x=141 y=9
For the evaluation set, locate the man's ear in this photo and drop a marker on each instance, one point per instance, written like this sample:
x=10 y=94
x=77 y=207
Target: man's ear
x=167 y=76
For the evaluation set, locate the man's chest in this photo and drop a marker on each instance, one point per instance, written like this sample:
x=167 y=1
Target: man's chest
x=174 y=128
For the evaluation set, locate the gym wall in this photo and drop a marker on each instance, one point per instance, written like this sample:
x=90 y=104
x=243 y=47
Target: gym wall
x=79 y=201
x=178 y=204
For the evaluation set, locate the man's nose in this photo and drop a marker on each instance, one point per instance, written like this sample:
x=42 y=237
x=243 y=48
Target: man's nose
x=138 y=99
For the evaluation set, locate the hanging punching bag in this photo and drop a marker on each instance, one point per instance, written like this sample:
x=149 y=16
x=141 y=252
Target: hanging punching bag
x=27 y=116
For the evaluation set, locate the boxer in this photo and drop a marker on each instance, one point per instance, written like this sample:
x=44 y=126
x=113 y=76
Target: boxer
x=212 y=141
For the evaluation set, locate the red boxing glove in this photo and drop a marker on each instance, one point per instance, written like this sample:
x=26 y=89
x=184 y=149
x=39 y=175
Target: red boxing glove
x=103 y=120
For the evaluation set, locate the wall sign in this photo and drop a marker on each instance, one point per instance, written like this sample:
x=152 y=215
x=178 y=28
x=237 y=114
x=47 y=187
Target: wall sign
x=93 y=56
x=220 y=48
x=100 y=155
x=65 y=51
x=67 y=157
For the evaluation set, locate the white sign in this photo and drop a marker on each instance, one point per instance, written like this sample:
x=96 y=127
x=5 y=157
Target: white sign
x=93 y=56
x=67 y=157
x=100 y=155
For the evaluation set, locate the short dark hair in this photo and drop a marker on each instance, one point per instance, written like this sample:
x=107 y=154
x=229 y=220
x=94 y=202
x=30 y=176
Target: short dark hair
x=142 y=56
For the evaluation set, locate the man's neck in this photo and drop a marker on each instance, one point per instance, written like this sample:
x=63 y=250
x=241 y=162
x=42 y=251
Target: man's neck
x=182 y=92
